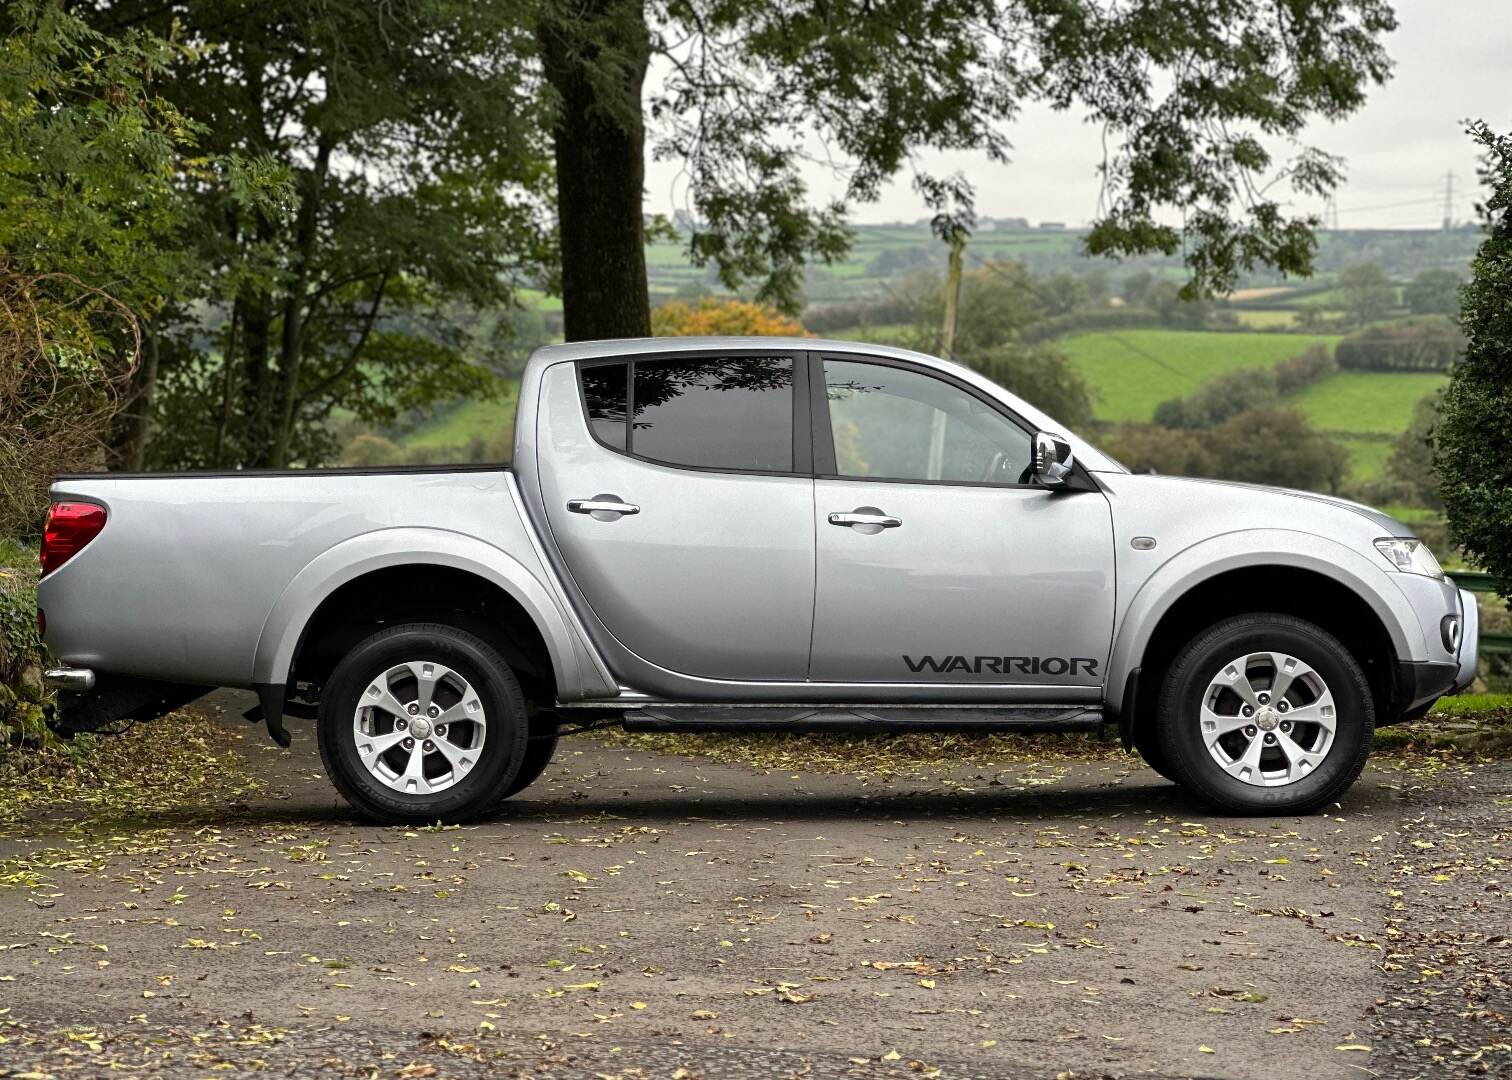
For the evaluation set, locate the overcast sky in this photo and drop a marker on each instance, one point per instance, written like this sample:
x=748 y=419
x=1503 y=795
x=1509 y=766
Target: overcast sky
x=1453 y=60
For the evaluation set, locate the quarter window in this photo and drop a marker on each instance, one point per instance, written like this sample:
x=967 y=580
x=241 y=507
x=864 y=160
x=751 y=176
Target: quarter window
x=726 y=413
x=890 y=423
x=605 y=390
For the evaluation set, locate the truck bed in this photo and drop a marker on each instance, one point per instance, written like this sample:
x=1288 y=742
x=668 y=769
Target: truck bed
x=182 y=580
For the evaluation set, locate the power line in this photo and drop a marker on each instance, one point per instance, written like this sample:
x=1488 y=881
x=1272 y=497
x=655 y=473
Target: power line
x=1387 y=206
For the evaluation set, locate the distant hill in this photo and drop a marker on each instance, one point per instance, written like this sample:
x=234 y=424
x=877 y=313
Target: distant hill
x=881 y=254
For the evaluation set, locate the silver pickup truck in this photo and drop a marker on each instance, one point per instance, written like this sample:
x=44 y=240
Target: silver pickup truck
x=753 y=533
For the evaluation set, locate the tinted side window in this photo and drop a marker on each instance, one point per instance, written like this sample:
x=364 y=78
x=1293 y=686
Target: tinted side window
x=605 y=391
x=891 y=423
x=717 y=414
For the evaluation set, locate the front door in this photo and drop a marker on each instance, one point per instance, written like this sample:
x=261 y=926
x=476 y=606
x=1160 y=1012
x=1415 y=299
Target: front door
x=938 y=558
x=680 y=496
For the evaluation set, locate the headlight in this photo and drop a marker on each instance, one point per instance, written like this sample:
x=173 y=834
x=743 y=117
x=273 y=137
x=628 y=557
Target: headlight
x=1410 y=556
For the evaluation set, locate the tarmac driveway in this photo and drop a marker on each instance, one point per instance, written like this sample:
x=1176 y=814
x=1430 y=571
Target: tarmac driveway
x=639 y=914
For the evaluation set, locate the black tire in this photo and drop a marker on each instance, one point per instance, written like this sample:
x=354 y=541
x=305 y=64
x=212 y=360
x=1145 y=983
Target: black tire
x=1147 y=746
x=1204 y=657
x=537 y=756
x=473 y=659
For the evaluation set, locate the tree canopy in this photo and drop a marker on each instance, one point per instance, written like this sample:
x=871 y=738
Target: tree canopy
x=1191 y=95
x=1473 y=442
x=417 y=160
x=365 y=175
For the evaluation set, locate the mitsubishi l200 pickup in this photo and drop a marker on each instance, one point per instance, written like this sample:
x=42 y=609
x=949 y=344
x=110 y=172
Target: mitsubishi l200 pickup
x=731 y=534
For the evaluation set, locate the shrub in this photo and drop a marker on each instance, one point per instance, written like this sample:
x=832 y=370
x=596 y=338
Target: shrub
x=1429 y=344
x=1410 y=471
x=66 y=352
x=21 y=653
x=1264 y=445
x=1277 y=446
x=715 y=315
x=1218 y=399
x=1433 y=292
x=1111 y=318
x=1149 y=448
x=1304 y=369
x=1474 y=438
x=824 y=318
x=1042 y=377
x=1233 y=392
x=369 y=451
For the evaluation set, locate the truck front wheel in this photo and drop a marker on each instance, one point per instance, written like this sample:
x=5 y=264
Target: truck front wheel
x=420 y=723
x=1265 y=714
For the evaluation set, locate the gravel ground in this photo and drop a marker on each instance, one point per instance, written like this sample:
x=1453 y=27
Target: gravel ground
x=638 y=914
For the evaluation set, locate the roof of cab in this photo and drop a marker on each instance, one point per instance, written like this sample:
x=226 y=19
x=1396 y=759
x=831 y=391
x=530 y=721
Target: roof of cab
x=592 y=350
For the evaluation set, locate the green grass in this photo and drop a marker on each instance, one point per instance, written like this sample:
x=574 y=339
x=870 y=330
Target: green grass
x=1368 y=401
x=1135 y=370
x=881 y=333
x=1411 y=514
x=1471 y=704
x=1367 y=457
x=486 y=420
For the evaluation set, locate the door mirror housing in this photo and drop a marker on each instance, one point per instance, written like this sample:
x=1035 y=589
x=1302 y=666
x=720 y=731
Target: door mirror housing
x=1053 y=460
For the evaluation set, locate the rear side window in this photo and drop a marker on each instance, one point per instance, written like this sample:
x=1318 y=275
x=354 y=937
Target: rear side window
x=605 y=392
x=711 y=413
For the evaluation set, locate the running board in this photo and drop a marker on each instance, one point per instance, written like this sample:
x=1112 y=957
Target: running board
x=861 y=718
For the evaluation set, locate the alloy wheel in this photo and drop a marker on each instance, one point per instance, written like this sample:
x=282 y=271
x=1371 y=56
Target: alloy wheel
x=1268 y=719
x=419 y=727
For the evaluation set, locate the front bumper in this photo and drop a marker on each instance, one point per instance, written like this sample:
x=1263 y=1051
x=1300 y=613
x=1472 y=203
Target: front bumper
x=1422 y=682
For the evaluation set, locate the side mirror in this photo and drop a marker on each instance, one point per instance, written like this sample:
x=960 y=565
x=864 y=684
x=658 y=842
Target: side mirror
x=1052 y=459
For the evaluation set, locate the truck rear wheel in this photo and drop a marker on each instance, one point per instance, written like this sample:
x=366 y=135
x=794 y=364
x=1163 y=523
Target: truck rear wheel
x=1265 y=714
x=422 y=722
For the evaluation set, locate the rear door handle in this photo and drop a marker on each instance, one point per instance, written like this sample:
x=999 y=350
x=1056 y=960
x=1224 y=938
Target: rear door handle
x=866 y=515
x=602 y=504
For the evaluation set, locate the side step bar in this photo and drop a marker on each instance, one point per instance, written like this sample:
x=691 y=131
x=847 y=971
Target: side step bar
x=861 y=718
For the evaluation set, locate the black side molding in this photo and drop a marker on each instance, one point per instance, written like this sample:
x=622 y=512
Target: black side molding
x=873 y=719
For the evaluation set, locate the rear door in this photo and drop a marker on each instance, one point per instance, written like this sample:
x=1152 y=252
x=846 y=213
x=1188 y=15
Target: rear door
x=938 y=559
x=680 y=494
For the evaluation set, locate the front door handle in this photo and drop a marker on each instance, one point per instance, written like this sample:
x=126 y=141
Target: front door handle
x=602 y=507
x=863 y=516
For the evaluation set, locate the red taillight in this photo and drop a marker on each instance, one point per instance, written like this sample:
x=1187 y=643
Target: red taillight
x=70 y=525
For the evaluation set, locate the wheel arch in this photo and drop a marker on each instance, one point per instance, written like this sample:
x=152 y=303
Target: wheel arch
x=539 y=632
x=1296 y=574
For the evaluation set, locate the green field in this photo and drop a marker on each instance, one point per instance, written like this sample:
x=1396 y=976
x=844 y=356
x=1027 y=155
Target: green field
x=880 y=334
x=1367 y=457
x=1268 y=319
x=1367 y=402
x=1135 y=370
x=459 y=425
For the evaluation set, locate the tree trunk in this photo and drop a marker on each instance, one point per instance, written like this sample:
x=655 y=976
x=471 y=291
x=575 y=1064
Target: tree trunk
x=600 y=165
x=257 y=380
x=228 y=387
x=291 y=348
x=129 y=450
